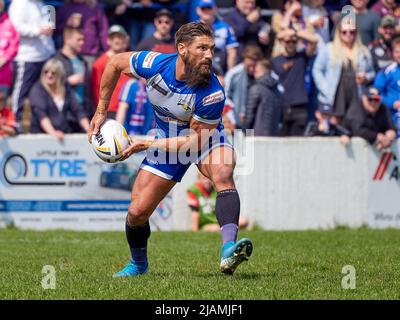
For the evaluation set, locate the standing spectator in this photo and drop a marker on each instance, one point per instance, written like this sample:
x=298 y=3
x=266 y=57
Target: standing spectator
x=9 y=41
x=265 y=101
x=341 y=68
x=225 y=41
x=88 y=15
x=54 y=107
x=118 y=42
x=162 y=39
x=76 y=68
x=291 y=68
x=239 y=79
x=367 y=21
x=290 y=17
x=7 y=118
x=381 y=49
x=388 y=83
x=139 y=16
x=135 y=111
x=36 y=46
x=248 y=26
x=370 y=120
x=316 y=15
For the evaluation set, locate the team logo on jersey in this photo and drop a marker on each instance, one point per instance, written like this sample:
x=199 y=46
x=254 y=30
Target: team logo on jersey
x=158 y=88
x=149 y=59
x=213 y=98
x=184 y=104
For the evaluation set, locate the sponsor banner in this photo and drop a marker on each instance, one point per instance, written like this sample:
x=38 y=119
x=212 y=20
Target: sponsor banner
x=384 y=188
x=42 y=177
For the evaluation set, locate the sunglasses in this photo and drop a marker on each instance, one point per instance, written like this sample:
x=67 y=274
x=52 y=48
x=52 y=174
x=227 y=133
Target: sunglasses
x=291 y=41
x=53 y=73
x=350 y=32
x=374 y=99
x=167 y=22
x=206 y=8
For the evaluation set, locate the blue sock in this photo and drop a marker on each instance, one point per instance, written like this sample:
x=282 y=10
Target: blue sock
x=229 y=233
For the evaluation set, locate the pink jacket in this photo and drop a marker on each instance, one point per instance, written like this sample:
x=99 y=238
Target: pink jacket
x=9 y=41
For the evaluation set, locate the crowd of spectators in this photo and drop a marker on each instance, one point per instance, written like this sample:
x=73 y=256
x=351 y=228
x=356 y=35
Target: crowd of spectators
x=289 y=67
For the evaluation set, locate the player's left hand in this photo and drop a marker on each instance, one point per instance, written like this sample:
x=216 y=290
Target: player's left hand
x=134 y=147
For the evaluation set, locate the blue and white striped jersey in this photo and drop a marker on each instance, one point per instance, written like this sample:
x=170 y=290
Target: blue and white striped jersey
x=174 y=102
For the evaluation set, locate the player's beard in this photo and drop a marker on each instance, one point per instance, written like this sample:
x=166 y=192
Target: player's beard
x=197 y=75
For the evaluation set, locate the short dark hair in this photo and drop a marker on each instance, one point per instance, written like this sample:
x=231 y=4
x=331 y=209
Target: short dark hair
x=253 y=52
x=187 y=32
x=68 y=31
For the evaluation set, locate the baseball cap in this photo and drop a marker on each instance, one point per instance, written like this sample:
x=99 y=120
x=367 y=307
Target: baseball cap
x=207 y=4
x=164 y=12
x=116 y=28
x=372 y=93
x=387 y=21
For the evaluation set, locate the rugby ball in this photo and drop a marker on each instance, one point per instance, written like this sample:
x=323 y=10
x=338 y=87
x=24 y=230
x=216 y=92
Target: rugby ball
x=110 y=141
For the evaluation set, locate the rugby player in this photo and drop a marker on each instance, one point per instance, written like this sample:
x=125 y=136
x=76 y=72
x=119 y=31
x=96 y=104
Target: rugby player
x=188 y=100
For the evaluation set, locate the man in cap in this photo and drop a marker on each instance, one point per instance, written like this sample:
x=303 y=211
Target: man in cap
x=381 y=49
x=225 y=41
x=118 y=41
x=162 y=39
x=370 y=120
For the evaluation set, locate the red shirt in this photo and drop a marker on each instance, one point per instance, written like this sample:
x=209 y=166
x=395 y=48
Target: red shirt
x=98 y=68
x=7 y=118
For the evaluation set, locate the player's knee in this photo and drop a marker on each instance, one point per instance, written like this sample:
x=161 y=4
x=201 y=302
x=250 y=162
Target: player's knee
x=137 y=215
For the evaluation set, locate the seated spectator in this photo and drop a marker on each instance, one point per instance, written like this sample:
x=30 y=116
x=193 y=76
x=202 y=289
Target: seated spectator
x=55 y=109
x=381 y=49
x=239 y=79
x=7 y=119
x=290 y=17
x=201 y=199
x=162 y=39
x=135 y=111
x=265 y=101
x=118 y=42
x=76 y=68
x=388 y=83
x=291 y=68
x=326 y=124
x=88 y=15
x=9 y=42
x=370 y=120
x=226 y=45
x=341 y=68
x=367 y=21
x=35 y=48
x=248 y=26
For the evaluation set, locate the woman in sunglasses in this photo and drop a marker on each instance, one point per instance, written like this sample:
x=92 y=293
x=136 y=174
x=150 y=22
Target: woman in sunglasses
x=341 y=68
x=370 y=120
x=55 y=109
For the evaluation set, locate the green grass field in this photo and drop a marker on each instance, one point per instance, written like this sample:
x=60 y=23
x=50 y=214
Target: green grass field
x=184 y=265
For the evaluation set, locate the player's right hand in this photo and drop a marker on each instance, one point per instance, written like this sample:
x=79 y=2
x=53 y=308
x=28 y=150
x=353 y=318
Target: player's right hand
x=95 y=123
